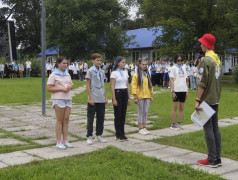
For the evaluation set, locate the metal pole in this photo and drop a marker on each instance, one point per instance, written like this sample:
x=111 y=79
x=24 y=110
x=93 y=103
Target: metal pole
x=43 y=56
x=10 y=39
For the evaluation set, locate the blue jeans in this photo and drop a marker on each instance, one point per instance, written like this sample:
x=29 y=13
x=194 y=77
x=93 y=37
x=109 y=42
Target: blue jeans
x=213 y=136
x=28 y=72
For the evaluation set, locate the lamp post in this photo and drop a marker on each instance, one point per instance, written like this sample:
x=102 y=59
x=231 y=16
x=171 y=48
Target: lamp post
x=43 y=56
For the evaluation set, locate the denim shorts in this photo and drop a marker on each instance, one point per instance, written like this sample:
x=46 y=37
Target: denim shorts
x=62 y=103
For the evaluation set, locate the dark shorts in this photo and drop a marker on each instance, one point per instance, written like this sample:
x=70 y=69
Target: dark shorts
x=166 y=77
x=180 y=97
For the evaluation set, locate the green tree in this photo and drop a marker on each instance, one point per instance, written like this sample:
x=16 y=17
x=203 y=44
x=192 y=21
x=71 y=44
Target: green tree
x=81 y=27
x=27 y=15
x=184 y=21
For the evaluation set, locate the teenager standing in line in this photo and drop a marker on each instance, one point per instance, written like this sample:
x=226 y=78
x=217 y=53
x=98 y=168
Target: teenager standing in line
x=142 y=92
x=179 y=90
x=120 y=96
x=97 y=99
x=60 y=85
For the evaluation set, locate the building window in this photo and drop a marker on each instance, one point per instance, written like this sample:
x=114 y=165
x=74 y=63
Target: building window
x=135 y=55
x=6 y=54
x=154 y=55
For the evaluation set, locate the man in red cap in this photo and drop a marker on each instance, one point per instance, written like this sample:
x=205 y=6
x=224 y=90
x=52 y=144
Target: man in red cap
x=209 y=90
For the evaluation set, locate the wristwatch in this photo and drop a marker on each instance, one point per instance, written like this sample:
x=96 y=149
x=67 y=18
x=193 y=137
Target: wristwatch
x=172 y=91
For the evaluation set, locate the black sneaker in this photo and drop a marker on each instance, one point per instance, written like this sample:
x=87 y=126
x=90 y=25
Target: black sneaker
x=120 y=139
x=219 y=162
x=124 y=138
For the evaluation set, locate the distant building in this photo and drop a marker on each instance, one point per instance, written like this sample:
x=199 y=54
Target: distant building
x=51 y=54
x=142 y=45
x=8 y=41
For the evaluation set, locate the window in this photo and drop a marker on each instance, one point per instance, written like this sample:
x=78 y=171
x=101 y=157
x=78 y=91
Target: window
x=135 y=55
x=154 y=55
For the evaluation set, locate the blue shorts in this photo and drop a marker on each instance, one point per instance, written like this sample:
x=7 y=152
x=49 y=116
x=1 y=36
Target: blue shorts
x=1 y=73
x=166 y=77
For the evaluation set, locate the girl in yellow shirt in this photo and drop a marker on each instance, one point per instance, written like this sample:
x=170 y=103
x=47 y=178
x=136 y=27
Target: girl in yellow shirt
x=142 y=91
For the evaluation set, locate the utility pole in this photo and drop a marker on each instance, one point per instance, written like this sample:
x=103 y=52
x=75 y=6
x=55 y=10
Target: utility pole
x=43 y=56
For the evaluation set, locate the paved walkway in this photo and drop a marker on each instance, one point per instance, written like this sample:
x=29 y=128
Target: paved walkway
x=27 y=122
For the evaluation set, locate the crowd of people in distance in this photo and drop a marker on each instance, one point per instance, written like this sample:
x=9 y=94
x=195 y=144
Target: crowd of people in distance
x=14 y=70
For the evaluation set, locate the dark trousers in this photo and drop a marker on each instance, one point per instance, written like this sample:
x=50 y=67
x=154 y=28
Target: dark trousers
x=99 y=109
x=48 y=72
x=153 y=79
x=120 y=111
x=213 y=136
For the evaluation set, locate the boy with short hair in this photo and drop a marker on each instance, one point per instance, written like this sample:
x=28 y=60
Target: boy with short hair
x=97 y=99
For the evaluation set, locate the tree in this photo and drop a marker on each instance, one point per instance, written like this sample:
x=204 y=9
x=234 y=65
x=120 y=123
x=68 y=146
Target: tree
x=81 y=27
x=27 y=15
x=184 y=21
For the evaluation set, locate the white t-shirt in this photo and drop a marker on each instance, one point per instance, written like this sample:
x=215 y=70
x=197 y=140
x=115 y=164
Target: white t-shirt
x=28 y=64
x=132 y=68
x=180 y=79
x=120 y=83
x=195 y=71
x=48 y=66
x=191 y=71
x=1 y=67
x=75 y=70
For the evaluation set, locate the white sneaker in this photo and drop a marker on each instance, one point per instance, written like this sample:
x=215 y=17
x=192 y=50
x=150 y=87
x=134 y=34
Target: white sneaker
x=148 y=132
x=60 y=146
x=100 y=139
x=68 y=145
x=142 y=132
x=89 y=140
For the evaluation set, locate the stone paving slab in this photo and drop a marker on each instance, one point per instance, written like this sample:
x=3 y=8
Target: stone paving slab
x=3 y=165
x=53 y=152
x=20 y=128
x=18 y=157
x=166 y=152
x=232 y=175
x=10 y=141
x=142 y=147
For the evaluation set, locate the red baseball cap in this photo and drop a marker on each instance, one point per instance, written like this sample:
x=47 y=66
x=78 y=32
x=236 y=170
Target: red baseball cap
x=208 y=40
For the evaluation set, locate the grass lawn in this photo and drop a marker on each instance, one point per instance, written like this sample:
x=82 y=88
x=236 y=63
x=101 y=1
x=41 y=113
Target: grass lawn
x=24 y=90
x=109 y=163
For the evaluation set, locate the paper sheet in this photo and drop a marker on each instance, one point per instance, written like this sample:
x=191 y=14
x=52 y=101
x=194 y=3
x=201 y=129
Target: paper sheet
x=203 y=116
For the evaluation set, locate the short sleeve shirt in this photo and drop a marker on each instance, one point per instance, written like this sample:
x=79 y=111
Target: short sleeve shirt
x=180 y=79
x=120 y=82
x=28 y=64
x=96 y=86
x=60 y=81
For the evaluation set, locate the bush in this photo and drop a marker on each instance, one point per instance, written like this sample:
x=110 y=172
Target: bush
x=235 y=74
x=3 y=60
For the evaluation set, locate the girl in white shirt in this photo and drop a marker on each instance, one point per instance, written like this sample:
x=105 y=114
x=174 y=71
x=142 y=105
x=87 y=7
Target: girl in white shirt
x=179 y=90
x=120 y=96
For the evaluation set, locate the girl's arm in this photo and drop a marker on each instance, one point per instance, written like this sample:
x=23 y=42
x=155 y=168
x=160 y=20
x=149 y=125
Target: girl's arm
x=52 y=88
x=114 y=101
x=128 y=90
